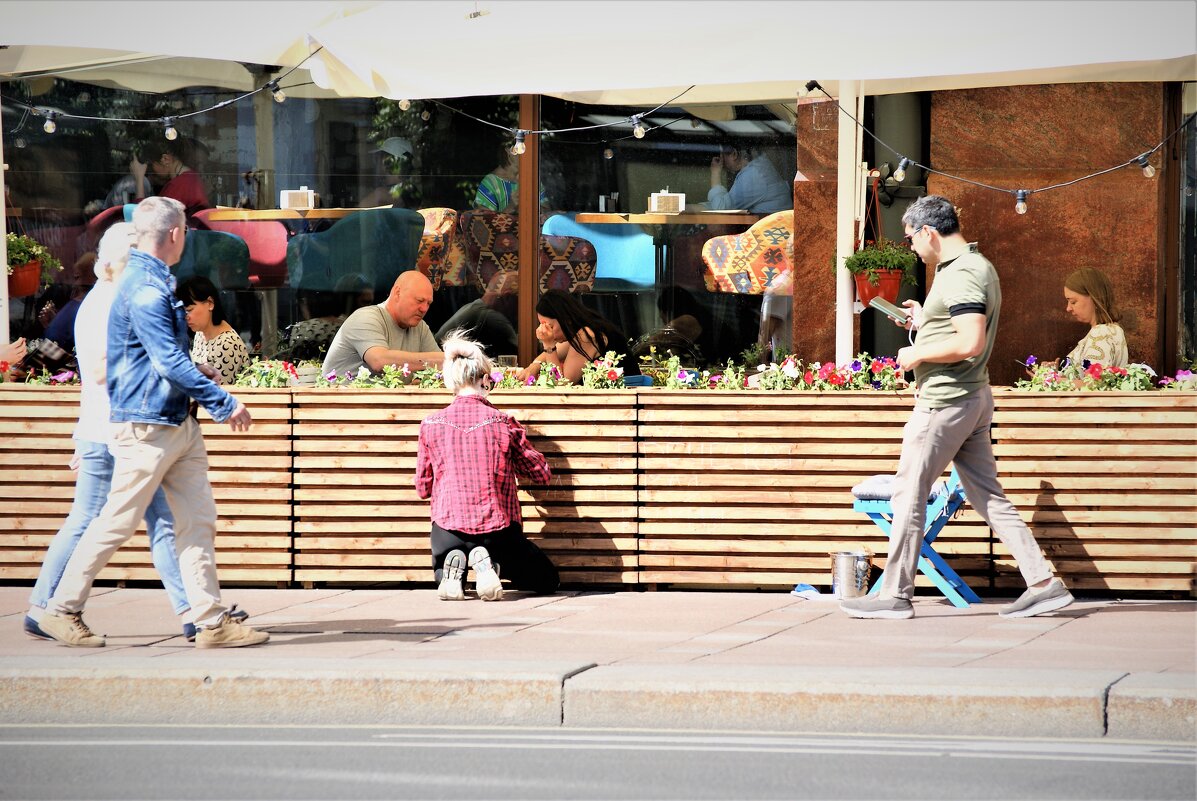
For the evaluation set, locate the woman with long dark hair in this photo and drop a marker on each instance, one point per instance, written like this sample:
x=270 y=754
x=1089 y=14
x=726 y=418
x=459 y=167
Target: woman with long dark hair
x=571 y=335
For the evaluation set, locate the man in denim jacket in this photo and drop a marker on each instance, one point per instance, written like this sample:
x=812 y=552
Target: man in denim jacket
x=151 y=381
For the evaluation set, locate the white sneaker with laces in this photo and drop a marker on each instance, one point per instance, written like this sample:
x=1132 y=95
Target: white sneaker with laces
x=486 y=578
x=452 y=572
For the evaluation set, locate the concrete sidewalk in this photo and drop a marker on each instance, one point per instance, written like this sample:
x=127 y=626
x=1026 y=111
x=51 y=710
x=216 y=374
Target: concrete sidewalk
x=706 y=660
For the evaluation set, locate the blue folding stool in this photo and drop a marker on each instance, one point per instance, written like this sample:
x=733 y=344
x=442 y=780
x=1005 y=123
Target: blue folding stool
x=945 y=501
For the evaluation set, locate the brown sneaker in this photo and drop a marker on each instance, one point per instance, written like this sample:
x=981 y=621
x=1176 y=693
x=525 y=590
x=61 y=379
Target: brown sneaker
x=69 y=629
x=230 y=634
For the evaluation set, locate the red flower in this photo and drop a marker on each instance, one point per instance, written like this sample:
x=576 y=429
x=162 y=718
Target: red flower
x=612 y=375
x=1094 y=371
x=835 y=379
x=1118 y=370
x=4 y=367
x=876 y=366
x=808 y=377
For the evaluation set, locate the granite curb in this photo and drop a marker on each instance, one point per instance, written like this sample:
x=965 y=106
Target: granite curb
x=927 y=701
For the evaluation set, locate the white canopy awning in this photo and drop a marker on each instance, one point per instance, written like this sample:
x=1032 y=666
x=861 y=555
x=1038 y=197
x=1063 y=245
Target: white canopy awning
x=611 y=51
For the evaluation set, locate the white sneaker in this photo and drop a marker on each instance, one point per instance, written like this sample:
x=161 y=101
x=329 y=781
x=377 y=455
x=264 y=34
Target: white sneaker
x=452 y=573
x=486 y=579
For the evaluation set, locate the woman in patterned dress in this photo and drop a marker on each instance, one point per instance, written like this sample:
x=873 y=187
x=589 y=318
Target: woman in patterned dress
x=1089 y=298
x=216 y=343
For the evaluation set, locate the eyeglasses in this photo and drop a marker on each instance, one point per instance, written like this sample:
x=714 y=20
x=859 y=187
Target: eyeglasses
x=909 y=238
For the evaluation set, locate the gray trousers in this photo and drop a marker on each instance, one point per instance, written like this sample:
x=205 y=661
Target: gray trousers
x=931 y=439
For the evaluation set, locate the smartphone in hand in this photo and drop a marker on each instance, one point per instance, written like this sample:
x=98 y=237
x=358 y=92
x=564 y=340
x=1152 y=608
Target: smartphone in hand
x=895 y=313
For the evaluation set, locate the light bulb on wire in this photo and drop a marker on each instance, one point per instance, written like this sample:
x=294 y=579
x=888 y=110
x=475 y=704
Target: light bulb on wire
x=168 y=128
x=425 y=115
x=1148 y=170
x=276 y=92
x=637 y=127
x=50 y=126
x=608 y=153
x=404 y=104
x=518 y=147
x=1020 y=201
x=900 y=173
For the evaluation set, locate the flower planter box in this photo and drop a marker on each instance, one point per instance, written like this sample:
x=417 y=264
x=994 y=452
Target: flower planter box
x=357 y=516
x=250 y=477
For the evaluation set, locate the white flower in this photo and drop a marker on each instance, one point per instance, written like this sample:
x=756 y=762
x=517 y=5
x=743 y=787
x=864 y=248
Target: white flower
x=790 y=370
x=760 y=368
x=1145 y=368
x=363 y=373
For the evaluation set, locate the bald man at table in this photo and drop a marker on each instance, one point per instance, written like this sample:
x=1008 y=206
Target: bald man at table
x=391 y=332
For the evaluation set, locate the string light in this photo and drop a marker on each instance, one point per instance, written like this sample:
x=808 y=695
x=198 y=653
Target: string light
x=608 y=153
x=278 y=94
x=1020 y=195
x=50 y=126
x=637 y=127
x=404 y=104
x=425 y=115
x=1148 y=170
x=518 y=148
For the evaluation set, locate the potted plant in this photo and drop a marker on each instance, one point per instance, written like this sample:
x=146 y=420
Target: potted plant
x=30 y=263
x=880 y=268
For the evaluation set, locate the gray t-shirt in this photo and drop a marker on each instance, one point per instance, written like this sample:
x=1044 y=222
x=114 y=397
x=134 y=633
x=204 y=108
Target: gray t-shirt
x=373 y=326
x=968 y=284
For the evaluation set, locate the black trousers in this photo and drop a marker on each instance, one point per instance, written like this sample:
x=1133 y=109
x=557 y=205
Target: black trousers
x=525 y=565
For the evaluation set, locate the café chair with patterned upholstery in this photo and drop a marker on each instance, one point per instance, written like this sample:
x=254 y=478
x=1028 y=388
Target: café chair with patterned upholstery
x=748 y=263
x=566 y=263
x=371 y=245
x=436 y=243
x=492 y=243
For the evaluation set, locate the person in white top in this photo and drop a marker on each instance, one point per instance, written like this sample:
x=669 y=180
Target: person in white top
x=1089 y=298
x=91 y=460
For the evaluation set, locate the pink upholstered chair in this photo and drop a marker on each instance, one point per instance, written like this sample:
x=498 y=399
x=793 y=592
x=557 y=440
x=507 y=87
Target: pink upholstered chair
x=267 y=242
x=748 y=263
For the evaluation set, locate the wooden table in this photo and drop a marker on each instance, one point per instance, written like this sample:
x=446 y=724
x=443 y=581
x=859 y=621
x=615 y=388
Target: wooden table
x=228 y=214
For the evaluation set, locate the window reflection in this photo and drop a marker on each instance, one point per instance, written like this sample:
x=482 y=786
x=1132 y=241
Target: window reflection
x=431 y=185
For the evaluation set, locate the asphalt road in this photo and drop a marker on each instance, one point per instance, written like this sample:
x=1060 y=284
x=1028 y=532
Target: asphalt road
x=222 y=762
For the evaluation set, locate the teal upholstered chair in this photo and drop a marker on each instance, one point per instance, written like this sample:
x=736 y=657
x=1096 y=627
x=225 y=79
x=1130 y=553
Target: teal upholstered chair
x=373 y=244
x=625 y=253
x=221 y=258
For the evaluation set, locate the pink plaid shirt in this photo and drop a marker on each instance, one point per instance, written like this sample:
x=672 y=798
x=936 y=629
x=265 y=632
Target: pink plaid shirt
x=469 y=455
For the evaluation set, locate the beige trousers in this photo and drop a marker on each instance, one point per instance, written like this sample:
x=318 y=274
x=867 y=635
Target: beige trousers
x=147 y=456
x=933 y=438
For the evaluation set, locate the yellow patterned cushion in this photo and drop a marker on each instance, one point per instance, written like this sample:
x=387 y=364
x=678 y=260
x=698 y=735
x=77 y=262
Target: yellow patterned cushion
x=746 y=263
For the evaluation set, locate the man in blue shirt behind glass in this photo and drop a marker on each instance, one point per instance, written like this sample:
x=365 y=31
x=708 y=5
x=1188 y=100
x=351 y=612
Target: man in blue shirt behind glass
x=156 y=441
x=756 y=187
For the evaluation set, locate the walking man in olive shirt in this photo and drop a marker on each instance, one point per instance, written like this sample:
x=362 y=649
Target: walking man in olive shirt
x=951 y=419
x=391 y=332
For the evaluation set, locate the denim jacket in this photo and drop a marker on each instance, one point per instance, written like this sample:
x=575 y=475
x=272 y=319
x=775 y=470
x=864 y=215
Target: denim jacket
x=150 y=376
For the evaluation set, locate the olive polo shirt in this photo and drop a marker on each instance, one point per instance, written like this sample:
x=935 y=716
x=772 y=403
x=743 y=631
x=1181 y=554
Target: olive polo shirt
x=968 y=284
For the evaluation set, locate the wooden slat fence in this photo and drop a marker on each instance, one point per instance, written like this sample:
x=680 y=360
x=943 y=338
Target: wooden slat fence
x=358 y=518
x=250 y=472
x=651 y=487
x=1107 y=481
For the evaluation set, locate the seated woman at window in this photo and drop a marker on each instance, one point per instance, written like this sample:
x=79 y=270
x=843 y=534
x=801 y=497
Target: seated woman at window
x=1089 y=298
x=571 y=335
x=216 y=343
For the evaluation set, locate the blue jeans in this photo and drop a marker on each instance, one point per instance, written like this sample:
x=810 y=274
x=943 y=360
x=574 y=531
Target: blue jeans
x=91 y=491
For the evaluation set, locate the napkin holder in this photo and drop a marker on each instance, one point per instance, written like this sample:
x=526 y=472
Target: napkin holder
x=666 y=202
x=301 y=198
